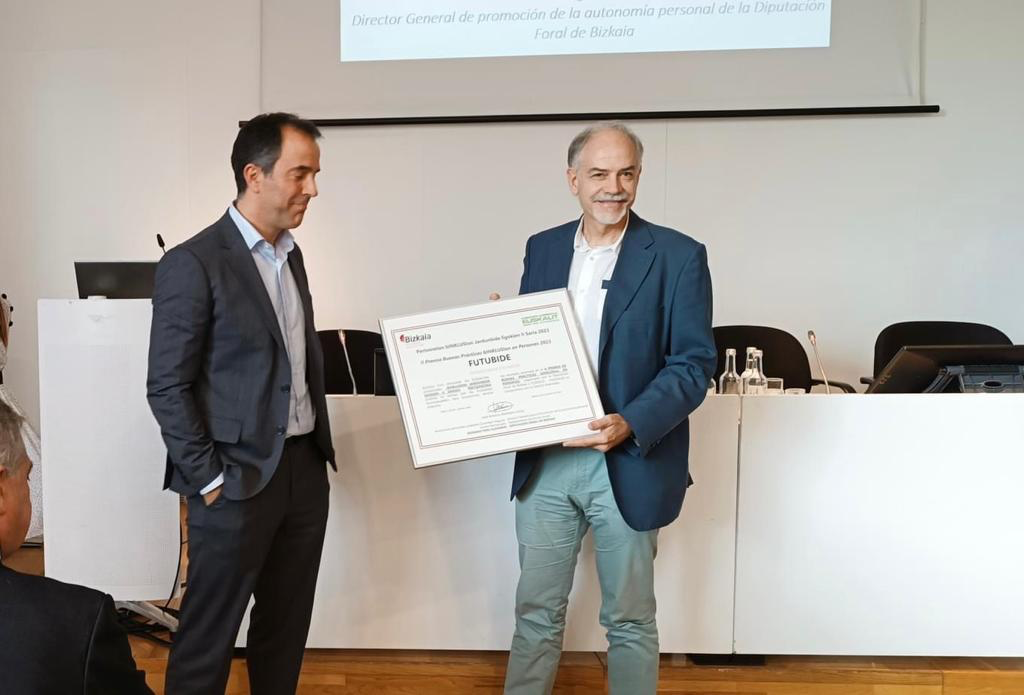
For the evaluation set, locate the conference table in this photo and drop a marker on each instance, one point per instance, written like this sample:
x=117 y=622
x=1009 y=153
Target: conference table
x=853 y=524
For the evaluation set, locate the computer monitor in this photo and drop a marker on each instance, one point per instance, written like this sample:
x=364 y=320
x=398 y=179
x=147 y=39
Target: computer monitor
x=115 y=280
x=923 y=368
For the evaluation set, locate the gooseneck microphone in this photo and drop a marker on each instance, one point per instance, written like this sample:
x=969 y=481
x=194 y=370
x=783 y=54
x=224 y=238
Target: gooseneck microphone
x=348 y=361
x=814 y=344
x=160 y=243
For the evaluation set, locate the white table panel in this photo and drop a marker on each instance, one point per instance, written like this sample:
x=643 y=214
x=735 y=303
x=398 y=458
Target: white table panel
x=427 y=559
x=867 y=525
x=108 y=523
x=881 y=525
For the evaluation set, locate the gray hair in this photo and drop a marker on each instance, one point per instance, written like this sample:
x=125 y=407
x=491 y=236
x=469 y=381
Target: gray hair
x=581 y=140
x=12 y=446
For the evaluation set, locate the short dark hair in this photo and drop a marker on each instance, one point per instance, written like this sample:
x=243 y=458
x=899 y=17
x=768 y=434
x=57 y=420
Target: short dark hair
x=259 y=142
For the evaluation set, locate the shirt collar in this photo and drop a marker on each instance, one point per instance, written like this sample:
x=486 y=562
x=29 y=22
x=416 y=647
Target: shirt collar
x=580 y=242
x=285 y=242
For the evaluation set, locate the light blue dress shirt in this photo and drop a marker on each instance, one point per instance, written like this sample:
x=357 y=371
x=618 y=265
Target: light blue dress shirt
x=272 y=263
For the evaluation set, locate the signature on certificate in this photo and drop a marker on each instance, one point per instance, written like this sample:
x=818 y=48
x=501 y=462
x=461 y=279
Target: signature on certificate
x=499 y=407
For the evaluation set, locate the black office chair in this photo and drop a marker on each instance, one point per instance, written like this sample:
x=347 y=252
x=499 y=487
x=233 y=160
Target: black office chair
x=361 y=346
x=784 y=356
x=899 y=335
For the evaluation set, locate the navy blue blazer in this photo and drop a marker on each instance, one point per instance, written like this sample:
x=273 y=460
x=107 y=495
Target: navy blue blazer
x=657 y=355
x=62 y=638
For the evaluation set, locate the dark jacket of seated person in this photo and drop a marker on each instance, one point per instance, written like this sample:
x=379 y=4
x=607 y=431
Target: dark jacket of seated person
x=55 y=638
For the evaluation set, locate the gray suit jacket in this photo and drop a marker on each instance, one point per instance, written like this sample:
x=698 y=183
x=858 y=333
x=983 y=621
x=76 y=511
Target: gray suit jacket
x=219 y=377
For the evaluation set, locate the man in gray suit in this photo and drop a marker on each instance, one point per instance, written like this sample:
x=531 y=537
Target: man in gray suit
x=236 y=382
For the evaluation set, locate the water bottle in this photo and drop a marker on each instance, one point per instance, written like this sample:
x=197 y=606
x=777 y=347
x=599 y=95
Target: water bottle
x=748 y=370
x=729 y=382
x=756 y=384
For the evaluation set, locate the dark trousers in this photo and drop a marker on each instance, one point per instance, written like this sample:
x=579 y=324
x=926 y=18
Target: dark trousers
x=267 y=547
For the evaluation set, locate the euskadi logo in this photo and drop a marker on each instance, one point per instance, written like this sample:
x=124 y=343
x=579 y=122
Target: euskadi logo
x=541 y=318
x=414 y=337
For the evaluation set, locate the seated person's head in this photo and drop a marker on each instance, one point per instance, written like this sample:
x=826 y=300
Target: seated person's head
x=15 y=503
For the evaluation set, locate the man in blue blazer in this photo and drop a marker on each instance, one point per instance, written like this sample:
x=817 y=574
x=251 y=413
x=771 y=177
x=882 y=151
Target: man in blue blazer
x=642 y=296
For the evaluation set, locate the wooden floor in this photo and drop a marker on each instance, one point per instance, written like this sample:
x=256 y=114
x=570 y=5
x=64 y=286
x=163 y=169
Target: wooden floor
x=349 y=672
x=338 y=672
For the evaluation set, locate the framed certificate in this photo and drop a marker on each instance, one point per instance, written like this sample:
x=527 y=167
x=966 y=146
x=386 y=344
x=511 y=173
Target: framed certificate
x=491 y=378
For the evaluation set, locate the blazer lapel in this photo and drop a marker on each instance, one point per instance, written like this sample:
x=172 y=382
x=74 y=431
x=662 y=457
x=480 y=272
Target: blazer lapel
x=635 y=259
x=244 y=267
x=557 y=259
x=298 y=269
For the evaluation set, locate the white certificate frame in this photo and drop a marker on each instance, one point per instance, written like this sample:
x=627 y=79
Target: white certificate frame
x=428 y=448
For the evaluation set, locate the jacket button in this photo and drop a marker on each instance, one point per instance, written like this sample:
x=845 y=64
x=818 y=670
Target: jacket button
x=286 y=388
x=281 y=430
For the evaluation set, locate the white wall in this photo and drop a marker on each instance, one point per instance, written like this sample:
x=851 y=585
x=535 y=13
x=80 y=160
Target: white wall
x=843 y=225
x=118 y=121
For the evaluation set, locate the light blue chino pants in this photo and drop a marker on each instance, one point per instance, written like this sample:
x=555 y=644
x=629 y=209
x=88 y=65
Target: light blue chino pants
x=569 y=493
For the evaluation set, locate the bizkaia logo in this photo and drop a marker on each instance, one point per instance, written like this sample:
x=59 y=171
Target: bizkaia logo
x=414 y=338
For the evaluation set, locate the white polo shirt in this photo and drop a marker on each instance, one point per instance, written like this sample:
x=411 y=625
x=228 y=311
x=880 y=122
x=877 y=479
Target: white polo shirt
x=591 y=267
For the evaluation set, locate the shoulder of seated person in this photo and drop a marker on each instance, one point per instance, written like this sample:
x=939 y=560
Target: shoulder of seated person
x=46 y=588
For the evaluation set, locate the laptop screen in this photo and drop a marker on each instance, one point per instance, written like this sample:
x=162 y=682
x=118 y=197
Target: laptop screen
x=116 y=280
